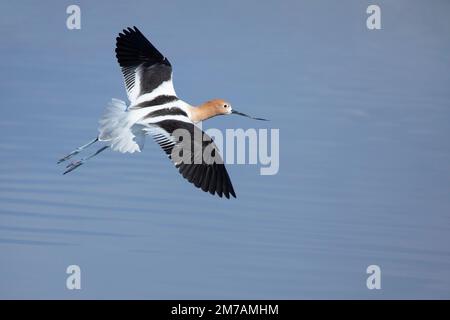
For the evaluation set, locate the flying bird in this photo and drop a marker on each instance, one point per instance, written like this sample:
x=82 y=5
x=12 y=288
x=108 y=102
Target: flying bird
x=156 y=110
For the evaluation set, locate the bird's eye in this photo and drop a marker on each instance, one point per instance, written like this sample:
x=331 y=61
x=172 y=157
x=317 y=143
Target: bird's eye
x=225 y=106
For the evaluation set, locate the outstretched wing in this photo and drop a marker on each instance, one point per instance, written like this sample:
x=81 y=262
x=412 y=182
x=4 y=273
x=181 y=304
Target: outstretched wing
x=197 y=159
x=147 y=73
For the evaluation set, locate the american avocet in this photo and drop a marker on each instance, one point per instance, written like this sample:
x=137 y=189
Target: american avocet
x=156 y=110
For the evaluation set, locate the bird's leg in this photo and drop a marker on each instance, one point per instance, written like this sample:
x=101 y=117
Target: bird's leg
x=78 y=150
x=73 y=165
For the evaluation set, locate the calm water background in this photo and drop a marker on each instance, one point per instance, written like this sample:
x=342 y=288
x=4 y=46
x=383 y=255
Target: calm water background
x=364 y=119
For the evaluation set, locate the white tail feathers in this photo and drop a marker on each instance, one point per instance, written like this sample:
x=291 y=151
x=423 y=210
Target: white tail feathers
x=116 y=127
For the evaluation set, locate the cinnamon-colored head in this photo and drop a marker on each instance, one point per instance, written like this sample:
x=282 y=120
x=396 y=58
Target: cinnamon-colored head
x=210 y=109
x=219 y=106
x=215 y=107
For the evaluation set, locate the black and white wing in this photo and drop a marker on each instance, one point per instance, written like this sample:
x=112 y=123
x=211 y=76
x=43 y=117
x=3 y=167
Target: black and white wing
x=198 y=159
x=147 y=73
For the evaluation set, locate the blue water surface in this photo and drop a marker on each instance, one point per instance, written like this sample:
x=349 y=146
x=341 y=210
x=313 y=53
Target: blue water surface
x=364 y=120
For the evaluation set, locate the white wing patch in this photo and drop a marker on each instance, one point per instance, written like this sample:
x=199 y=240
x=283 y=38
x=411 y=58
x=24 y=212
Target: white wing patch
x=164 y=89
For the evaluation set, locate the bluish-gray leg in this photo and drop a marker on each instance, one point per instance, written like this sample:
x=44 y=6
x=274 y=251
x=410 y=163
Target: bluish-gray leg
x=77 y=150
x=72 y=166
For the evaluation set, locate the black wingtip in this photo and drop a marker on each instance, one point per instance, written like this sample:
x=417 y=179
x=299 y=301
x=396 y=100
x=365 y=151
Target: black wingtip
x=133 y=49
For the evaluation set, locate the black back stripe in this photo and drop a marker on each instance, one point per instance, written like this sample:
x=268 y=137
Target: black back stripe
x=157 y=101
x=152 y=76
x=174 y=111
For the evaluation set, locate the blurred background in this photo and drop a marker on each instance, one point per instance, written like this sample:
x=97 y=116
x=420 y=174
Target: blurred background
x=364 y=119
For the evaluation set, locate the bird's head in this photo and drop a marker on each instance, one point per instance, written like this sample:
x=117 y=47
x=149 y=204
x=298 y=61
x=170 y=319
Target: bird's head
x=217 y=107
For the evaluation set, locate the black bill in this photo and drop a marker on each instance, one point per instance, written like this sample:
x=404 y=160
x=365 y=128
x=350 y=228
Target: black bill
x=246 y=115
